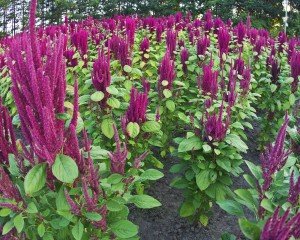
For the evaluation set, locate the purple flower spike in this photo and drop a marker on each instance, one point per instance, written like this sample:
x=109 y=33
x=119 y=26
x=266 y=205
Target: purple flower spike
x=223 y=40
x=166 y=71
x=209 y=81
x=118 y=158
x=275 y=156
x=294 y=192
x=136 y=111
x=101 y=77
x=281 y=228
x=184 y=56
x=295 y=70
x=7 y=135
x=202 y=45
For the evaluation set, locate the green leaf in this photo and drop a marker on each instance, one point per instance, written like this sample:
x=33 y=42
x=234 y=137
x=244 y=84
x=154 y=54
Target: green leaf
x=65 y=169
x=144 y=201
x=112 y=90
x=292 y=99
x=113 y=102
x=224 y=163
x=107 y=128
x=273 y=87
x=13 y=167
x=206 y=148
x=35 y=179
x=114 y=178
x=152 y=174
x=165 y=83
x=114 y=206
x=127 y=68
x=31 y=208
x=249 y=229
x=19 y=223
x=5 y=212
x=77 y=231
x=61 y=201
x=124 y=229
x=93 y=216
x=170 y=105
x=232 y=207
x=48 y=236
x=237 y=142
x=255 y=170
x=7 y=227
x=151 y=126
x=187 y=209
x=203 y=220
x=97 y=96
x=133 y=129
x=268 y=205
x=203 y=179
x=192 y=143
x=167 y=93
x=41 y=230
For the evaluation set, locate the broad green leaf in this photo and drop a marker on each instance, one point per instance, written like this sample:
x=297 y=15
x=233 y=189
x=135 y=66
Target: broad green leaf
x=237 y=142
x=7 y=227
x=113 y=102
x=133 y=129
x=65 y=169
x=112 y=90
x=77 y=231
x=232 y=207
x=97 y=96
x=107 y=128
x=151 y=126
x=249 y=229
x=124 y=229
x=203 y=179
x=127 y=68
x=170 y=105
x=187 y=209
x=93 y=216
x=41 y=230
x=35 y=179
x=144 y=201
x=192 y=143
x=19 y=222
x=31 y=208
x=152 y=174
x=167 y=93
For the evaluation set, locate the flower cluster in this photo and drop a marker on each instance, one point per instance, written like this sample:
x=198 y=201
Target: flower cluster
x=281 y=228
x=166 y=71
x=101 y=77
x=209 y=81
x=202 y=45
x=274 y=156
x=184 y=57
x=295 y=68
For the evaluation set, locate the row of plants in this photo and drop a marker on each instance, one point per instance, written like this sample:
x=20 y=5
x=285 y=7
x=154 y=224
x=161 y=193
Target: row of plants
x=143 y=89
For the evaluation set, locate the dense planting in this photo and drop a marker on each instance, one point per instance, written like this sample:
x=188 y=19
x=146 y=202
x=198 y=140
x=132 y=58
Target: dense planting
x=98 y=106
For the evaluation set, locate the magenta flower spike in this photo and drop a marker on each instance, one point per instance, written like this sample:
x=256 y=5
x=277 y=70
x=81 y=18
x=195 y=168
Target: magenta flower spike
x=245 y=82
x=184 y=56
x=118 y=158
x=144 y=48
x=38 y=87
x=209 y=81
x=294 y=191
x=101 y=76
x=215 y=127
x=202 y=45
x=295 y=70
x=166 y=72
x=223 y=40
x=137 y=109
x=281 y=228
x=80 y=41
x=7 y=135
x=171 y=40
x=240 y=32
x=7 y=188
x=71 y=61
x=275 y=156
